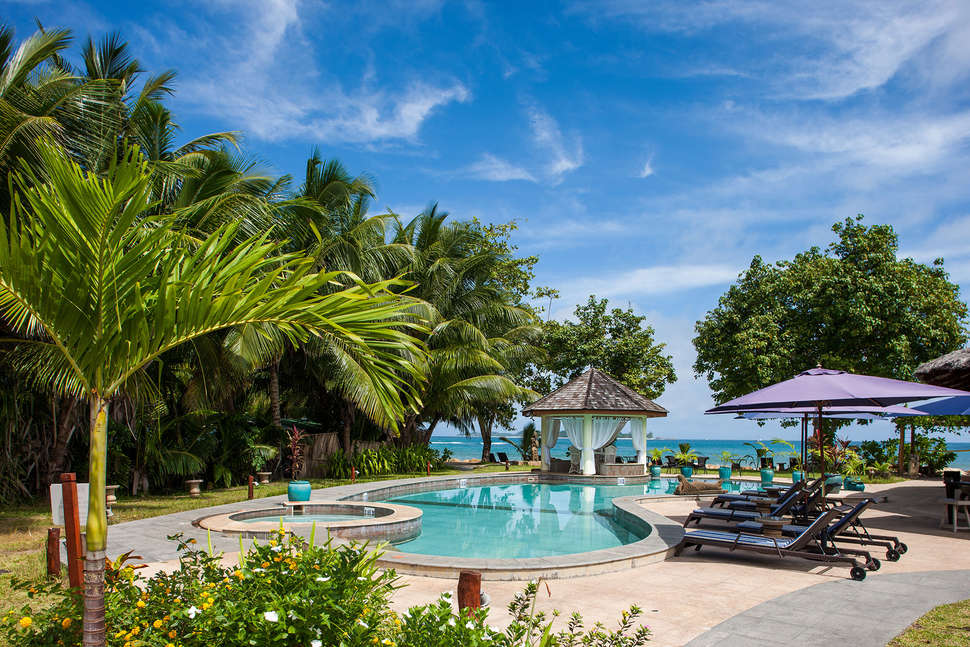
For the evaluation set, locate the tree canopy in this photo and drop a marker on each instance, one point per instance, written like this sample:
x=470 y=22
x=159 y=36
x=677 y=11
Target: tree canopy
x=855 y=306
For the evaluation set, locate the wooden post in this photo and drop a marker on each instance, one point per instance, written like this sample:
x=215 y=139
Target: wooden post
x=251 y=494
x=53 y=552
x=429 y=468
x=353 y=474
x=72 y=530
x=902 y=445
x=469 y=590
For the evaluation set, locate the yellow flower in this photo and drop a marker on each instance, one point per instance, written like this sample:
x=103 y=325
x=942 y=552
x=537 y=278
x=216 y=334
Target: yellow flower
x=191 y=541
x=272 y=542
x=157 y=624
x=140 y=604
x=127 y=644
x=119 y=634
x=66 y=622
x=239 y=574
x=211 y=585
x=135 y=630
x=374 y=640
x=210 y=600
x=169 y=645
x=277 y=559
x=265 y=564
x=397 y=621
x=172 y=634
x=26 y=622
x=167 y=618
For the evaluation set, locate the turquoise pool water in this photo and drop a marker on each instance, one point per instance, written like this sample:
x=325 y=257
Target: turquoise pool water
x=306 y=518
x=525 y=519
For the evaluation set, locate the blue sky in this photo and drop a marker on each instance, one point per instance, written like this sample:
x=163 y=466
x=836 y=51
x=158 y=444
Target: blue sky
x=647 y=148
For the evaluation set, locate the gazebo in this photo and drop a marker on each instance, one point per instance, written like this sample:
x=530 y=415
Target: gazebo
x=592 y=410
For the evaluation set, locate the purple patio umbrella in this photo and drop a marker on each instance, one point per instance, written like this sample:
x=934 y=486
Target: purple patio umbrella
x=821 y=389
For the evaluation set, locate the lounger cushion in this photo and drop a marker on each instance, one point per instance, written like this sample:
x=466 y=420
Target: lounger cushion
x=725 y=513
x=744 y=540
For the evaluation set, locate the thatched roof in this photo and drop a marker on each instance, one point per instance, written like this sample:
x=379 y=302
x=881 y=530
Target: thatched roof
x=951 y=370
x=595 y=392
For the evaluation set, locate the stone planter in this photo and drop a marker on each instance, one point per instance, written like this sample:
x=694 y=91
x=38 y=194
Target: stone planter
x=194 y=490
x=767 y=476
x=655 y=471
x=298 y=490
x=687 y=471
x=263 y=477
x=724 y=473
x=109 y=498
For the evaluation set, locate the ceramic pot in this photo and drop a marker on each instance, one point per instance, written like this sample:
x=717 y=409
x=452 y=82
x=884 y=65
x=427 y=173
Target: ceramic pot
x=654 y=471
x=797 y=475
x=263 y=477
x=687 y=471
x=724 y=473
x=767 y=476
x=298 y=490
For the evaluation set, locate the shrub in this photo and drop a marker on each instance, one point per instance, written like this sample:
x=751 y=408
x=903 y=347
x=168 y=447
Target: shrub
x=412 y=459
x=288 y=592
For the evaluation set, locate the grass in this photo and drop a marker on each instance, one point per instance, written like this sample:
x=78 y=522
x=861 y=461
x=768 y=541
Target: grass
x=945 y=626
x=753 y=473
x=23 y=529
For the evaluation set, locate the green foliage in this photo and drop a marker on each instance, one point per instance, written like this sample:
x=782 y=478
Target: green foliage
x=524 y=446
x=855 y=307
x=616 y=341
x=286 y=592
x=932 y=452
x=410 y=459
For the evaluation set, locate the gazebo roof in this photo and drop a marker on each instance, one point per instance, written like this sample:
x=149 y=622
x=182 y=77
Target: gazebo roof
x=595 y=392
x=951 y=370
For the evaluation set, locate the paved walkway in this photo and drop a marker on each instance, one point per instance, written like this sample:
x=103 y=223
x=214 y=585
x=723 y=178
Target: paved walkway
x=843 y=612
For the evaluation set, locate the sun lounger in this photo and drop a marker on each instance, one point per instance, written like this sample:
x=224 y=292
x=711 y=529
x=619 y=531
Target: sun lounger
x=745 y=496
x=503 y=457
x=739 y=511
x=847 y=529
x=806 y=545
x=491 y=458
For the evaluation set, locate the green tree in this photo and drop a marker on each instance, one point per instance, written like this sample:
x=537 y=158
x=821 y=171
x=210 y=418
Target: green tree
x=613 y=340
x=100 y=290
x=855 y=307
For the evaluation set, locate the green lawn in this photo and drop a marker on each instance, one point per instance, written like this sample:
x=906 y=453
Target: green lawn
x=944 y=626
x=23 y=529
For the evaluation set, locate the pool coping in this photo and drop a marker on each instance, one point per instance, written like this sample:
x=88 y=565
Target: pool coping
x=664 y=534
x=400 y=524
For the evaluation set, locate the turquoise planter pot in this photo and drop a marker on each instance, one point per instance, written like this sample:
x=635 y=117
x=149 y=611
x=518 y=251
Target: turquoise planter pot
x=797 y=476
x=298 y=490
x=853 y=484
x=724 y=473
x=654 y=470
x=767 y=476
x=687 y=472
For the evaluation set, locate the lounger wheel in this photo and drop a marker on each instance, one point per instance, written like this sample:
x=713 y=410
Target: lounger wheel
x=874 y=564
x=857 y=573
x=902 y=548
x=892 y=555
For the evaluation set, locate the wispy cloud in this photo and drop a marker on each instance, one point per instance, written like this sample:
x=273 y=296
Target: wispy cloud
x=492 y=168
x=654 y=280
x=565 y=154
x=261 y=73
x=647 y=169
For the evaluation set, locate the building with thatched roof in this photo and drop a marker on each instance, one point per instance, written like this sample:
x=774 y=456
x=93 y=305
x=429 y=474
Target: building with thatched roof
x=951 y=370
x=592 y=410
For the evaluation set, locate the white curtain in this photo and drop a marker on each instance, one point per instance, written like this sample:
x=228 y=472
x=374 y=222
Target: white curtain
x=638 y=433
x=573 y=427
x=605 y=430
x=550 y=437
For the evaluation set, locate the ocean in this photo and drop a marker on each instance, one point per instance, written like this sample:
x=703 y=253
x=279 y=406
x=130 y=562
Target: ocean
x=466 y=447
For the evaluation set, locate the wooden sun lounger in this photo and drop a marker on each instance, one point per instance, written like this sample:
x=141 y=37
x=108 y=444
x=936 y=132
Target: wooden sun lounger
x=775 y=492
x=807 y=545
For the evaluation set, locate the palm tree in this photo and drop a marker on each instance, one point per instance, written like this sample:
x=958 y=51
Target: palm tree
x=112 y=289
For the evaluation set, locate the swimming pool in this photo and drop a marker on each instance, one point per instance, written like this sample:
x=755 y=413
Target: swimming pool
x=525 y=520
x=303 y=518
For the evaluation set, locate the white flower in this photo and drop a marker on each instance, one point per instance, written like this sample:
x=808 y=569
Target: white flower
x=323 y=579
x=259 y=570
x=361 y=578
x=362 y=623
x=192 y=612
x=316 y=643
x=469 y=625
x=451 y=621
x=276 y=549
x=271 y=616
x=493 y=629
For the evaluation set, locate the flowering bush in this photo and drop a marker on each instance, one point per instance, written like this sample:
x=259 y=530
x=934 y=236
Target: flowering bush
x=284 y=592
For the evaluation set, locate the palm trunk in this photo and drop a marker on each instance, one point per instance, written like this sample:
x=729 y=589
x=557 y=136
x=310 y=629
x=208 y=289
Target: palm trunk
x=65 y=429
x=96 y=532
x=274 y=392
x=485 y=428
x=425 y=438
x=348 y=422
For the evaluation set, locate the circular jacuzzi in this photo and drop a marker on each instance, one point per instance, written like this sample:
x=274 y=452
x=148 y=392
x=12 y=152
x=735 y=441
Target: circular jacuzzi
x=384 y=522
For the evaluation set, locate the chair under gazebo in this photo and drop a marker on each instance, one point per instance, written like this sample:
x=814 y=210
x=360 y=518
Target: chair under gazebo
x=592 y=410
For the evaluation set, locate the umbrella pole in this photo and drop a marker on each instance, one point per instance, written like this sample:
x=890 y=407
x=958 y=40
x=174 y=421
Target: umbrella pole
x=821 y=448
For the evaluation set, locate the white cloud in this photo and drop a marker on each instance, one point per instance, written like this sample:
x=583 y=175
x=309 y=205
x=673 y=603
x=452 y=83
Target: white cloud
x=658 y=279
x=261 y=73
x=647 y=169
x=565 y=156
x=829 y=49
x=495 y=169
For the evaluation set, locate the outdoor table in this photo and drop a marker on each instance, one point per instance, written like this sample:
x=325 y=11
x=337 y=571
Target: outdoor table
x=762 y=505
x=771 y=526
x=953 y=518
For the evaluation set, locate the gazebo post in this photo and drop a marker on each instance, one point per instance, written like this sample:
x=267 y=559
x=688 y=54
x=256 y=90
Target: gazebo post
x=642 y=454
x=544 y=422
x=587 y=461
